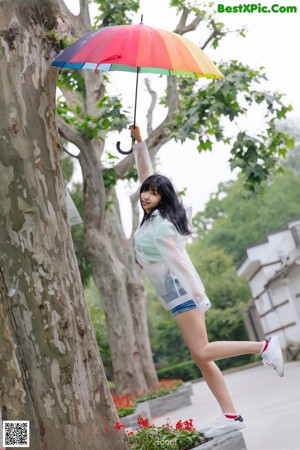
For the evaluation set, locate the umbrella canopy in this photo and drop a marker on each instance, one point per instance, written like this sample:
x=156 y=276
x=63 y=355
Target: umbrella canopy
x=128 y=47
x=139 y=49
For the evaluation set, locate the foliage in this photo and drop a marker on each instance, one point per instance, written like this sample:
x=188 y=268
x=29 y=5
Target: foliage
x=72 y=81
x=187 y=371
x=223 y=286
x=234 y=220
x=181 y=437
x=202 y=109
x=164 y=387
x=292 y=160
x=119 y=12
x=59 y=43
x=110 y=116
x=167 y=342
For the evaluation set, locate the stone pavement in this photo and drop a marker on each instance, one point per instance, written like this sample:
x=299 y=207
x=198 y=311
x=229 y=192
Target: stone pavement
x=270 y=406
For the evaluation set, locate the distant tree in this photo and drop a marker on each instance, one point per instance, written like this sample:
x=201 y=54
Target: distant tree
x=233 y=219
x=292 y=158
x=218 y=274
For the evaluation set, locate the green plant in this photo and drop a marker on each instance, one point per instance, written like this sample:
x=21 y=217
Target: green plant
x=186 y=371
x=164 y=387
x=183 y=436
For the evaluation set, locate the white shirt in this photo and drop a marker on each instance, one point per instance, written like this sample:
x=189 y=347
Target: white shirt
x=160 y=249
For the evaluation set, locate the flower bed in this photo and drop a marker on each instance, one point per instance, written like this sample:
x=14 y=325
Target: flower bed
x=183 y=436
x=126 y=404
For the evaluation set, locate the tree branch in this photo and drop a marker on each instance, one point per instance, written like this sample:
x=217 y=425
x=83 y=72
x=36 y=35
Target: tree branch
x=153 y=95
x=216 y=32
x=66 y=11
x=135 y=210
x=71 y=97
x=182 y=27
x=69 y=153
x=70 y=133
x=85 y=19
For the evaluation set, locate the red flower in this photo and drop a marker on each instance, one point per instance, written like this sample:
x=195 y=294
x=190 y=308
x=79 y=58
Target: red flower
x=179 y=425
x=119 y=426
x=107 y=429
x=124 y=401
x=188 y=425
x=143 y=422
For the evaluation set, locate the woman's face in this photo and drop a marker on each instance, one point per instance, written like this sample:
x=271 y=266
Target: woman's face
x=150 y=200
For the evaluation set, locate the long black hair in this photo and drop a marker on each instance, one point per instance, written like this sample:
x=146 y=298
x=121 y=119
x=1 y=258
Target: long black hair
x=170 y=206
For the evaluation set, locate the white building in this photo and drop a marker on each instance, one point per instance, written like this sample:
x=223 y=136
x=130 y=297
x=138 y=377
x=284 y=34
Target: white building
x=273 y=271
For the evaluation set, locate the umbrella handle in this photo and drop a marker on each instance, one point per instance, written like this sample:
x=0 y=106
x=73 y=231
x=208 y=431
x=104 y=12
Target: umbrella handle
x=122 y=151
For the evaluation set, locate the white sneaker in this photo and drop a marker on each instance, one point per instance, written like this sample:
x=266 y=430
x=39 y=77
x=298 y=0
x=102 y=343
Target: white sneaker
x=224 y=425
x=272 y=356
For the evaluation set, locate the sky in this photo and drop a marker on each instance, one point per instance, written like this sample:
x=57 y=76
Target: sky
x=272 y=41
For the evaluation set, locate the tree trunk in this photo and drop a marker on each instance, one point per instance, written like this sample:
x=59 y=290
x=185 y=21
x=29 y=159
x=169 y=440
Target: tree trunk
x=110 y=278
x=47 y=342
x=136 y=292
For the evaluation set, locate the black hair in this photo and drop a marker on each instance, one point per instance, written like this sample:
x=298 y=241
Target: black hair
x=170 y=206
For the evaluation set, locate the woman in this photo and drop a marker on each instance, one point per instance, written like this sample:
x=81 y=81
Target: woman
x=159 y=245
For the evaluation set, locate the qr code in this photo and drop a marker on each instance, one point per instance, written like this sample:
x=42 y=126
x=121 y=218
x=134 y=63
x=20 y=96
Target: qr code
x=16 y=433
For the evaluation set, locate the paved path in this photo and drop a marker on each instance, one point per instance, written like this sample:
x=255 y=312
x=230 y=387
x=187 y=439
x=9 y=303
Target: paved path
x=270 y=406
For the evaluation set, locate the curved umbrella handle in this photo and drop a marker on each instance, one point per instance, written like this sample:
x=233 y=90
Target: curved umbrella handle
x=121 y=151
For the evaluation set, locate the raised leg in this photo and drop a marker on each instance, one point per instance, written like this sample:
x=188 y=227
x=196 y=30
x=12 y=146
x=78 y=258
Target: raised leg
x=193 y=328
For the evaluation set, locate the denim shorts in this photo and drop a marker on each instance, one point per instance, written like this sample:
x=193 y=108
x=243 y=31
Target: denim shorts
x=186 y=306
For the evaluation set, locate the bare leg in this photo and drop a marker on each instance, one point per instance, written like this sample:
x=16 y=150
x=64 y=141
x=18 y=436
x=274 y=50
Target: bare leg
x=193 y=328
x=216 y=383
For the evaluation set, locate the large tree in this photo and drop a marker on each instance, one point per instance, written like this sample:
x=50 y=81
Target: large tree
x=50 y=370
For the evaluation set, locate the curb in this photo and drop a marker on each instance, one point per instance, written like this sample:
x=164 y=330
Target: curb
x=229 y=441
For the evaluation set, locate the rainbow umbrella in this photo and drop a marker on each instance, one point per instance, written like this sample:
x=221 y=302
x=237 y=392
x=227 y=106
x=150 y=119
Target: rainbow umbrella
x=139 y=49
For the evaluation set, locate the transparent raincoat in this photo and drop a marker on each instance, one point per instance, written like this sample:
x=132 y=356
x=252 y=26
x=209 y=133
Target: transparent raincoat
x=160 y=249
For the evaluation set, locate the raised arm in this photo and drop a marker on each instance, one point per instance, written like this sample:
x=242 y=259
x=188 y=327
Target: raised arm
x=141 y=155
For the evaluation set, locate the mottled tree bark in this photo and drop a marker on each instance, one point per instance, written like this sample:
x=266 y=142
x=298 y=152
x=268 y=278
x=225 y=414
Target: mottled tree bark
x=50 y=370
